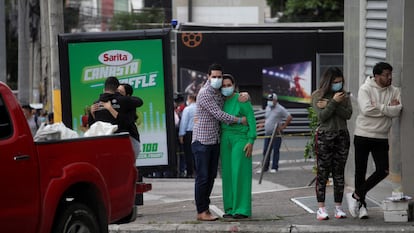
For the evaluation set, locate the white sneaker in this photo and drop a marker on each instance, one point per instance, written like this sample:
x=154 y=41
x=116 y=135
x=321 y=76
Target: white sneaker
x=353 y=205
x=363 y=212
x=322 y=214
x=339 y=213
x=273 y=170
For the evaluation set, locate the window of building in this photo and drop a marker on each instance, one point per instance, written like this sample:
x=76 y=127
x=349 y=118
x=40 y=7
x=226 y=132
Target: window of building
x=249 y=52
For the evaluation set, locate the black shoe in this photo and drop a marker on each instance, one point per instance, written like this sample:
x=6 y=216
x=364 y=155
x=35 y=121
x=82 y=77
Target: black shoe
x=227 y=216
x=240 y=216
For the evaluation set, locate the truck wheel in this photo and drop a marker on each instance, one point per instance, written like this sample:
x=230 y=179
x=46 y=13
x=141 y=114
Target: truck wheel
x=76 y=218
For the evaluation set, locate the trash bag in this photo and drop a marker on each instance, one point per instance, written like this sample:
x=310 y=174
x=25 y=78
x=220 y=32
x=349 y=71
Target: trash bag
x=100 y=128
x=54 y=131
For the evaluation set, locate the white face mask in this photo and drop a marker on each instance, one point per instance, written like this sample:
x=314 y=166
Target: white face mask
x=187 y=103
x=216 y=82
x=270 y=103
x=227 y=91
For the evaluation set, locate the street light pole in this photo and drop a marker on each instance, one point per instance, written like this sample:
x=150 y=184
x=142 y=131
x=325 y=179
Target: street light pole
x=3 y=64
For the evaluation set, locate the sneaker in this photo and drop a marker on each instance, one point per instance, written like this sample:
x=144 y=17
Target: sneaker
x=363 y=212
x=353 y=205
x=322 y=214
x=273 y=170
x=339 y=213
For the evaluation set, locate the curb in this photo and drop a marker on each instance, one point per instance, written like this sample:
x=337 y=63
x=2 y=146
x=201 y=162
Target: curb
x=237 y=227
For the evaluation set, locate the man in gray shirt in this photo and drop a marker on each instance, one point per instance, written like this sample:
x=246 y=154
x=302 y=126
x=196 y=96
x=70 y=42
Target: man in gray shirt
x=274 y=116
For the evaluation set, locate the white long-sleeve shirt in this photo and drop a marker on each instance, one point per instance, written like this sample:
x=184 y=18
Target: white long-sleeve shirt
x=375 y=113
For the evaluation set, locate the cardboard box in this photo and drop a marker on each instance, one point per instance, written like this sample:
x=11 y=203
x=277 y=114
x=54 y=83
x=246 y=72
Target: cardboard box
x=396 y=216
x=388 y=205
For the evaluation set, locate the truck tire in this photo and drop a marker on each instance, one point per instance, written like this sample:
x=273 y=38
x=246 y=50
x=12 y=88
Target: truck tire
x=75 y=218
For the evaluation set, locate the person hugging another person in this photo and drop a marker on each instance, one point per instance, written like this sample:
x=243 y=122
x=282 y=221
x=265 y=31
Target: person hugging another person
x=114 y=108
x=236 y=154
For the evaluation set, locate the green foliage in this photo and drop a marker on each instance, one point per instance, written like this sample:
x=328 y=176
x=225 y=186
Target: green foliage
x=152 y=18
x=313 y=124
x=309 y=10
x=276 y=6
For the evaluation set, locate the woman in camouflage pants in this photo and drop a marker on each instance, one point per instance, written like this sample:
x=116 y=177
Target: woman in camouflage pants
x=333 y=107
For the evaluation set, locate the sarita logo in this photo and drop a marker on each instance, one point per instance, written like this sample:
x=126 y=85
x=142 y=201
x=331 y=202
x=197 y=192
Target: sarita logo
x=115 y=57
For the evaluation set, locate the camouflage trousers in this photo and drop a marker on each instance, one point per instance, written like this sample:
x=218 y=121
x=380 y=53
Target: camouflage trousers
x=332 y=149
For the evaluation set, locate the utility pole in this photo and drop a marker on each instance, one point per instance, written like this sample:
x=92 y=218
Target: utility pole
x=24 y=82
x=55 y=27
x=45 y=54
x=51 y=20
x=3 y=64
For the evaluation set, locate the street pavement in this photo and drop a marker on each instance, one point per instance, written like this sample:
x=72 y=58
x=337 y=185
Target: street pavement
x=283 y=202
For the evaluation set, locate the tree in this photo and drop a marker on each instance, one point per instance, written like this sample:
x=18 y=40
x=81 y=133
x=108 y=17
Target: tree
x=276 y=6
x=310 y=10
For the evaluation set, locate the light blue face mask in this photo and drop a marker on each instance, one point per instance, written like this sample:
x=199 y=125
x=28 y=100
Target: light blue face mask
x=216 y=82
x=227 y=91
x=270 y=103
x=336 y=86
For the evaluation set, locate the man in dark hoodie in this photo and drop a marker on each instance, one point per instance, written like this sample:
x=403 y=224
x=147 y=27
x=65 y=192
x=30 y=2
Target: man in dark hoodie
x=114 y=108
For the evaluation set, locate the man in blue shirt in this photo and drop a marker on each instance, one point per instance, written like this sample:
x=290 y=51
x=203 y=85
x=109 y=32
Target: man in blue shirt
x=185 y=132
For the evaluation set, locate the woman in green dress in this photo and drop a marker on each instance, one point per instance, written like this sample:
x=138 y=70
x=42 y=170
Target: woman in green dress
x=236 y=148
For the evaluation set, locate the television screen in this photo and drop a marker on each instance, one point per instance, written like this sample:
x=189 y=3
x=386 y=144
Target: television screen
x=291 y=82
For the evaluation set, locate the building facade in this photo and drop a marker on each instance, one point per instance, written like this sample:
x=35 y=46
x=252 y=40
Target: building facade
x=382 y=31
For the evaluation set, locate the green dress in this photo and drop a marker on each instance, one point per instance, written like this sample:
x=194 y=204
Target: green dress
x=236 y=167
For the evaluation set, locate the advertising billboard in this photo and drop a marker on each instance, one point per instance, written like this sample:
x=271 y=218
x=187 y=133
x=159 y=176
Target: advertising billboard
x=291 y=82
x=140 y=58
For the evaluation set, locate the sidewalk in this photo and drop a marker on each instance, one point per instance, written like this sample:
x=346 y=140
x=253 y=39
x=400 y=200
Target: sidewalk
x=275 y=209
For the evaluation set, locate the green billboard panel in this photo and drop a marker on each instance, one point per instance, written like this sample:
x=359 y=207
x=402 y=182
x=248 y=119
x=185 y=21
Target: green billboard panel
x=139 y=58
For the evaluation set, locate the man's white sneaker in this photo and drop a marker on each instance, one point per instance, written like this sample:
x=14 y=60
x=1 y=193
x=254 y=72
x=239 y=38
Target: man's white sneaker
x=322 y=214
x=339 y=213
x=353 y=205
x=363 y=212
x=273 y=170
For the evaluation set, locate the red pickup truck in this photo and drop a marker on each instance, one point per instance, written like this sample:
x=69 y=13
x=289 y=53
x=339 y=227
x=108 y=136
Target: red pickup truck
x=71 y=185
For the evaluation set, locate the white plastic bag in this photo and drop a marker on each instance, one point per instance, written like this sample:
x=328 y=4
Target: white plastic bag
x=55 y=131
x=101 y=128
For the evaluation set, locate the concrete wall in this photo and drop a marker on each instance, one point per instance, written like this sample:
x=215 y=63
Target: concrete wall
x=407 y=84
x=353 y=68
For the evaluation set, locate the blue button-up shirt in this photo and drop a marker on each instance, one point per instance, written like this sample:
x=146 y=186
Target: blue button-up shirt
x=187 y=119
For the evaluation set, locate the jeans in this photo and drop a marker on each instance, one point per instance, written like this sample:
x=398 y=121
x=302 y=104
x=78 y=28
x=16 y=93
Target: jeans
x=206 y=162
x=277 y=141
x=189 y=158
x=379 y=151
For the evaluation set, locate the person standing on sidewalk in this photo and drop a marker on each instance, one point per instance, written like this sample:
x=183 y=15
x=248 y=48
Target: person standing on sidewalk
x=274 y=115
x=236 y=148
x=333 y=108
x=185 y=132
x=379 y=102
x=206 y=139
